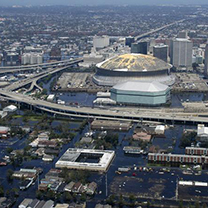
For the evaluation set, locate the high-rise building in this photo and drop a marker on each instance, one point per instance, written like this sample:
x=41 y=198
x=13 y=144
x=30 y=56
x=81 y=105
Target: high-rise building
x=129 y=40
x=181 y=52
x=206 y=61
x=32 y=58
x=139 y=47
x=12 y=59
x=161 y=52
x=183 y=34
x=100 y=42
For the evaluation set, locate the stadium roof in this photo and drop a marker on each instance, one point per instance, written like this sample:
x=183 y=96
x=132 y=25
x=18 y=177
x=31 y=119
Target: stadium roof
x=134 y=62
x=140 y=86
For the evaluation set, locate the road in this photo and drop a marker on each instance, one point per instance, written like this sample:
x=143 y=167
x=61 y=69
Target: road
x=158 y=29
x=89 y=112
x=33 y=79
x=10 y=69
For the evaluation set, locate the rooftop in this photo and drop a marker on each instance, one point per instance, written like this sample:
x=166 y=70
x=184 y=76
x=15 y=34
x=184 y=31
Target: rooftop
x=141 y=86
x=71 y=159
x=134 y=62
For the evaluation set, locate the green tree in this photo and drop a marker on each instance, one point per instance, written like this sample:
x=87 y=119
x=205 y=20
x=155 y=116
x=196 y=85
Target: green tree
x=9 y=150
x=67 y=196
x=1 y=191
x=197 y=205
x=121 y=201
x=111 y=200
x=9 y=175
x=180 y=204
x=204 y=205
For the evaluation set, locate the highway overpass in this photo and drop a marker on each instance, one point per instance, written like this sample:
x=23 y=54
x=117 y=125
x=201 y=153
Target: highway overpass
x=11 y=69
x=88 y=112
x=33 y=79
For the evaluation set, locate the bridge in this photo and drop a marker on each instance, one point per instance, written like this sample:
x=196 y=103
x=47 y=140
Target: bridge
x=157 y=30
x=11 y=69
x=33 y=79
x=91 y=113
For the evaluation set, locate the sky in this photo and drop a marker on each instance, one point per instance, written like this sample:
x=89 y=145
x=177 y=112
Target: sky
x=98 y=2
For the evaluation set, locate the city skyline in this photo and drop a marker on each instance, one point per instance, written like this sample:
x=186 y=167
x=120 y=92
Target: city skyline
x=100 y=2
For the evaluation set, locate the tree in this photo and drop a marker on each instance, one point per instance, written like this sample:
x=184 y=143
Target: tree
x=1 y=191
x=67 y=196
x=9 y=150
x=111 y=200
x=197 y=205
x=204 y=205
x=180 y=204
x=83 y=197
x=121 y=201
x=9 y=175
x=132 y=198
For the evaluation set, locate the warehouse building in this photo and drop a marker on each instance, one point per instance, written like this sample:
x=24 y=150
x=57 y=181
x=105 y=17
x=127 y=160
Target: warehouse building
x=141 y=93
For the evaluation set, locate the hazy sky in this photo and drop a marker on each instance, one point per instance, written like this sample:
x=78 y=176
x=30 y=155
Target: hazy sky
x=97 y=2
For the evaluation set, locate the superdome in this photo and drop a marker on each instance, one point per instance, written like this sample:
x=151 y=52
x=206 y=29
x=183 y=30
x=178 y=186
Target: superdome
x=134 y=62
x=132 y=67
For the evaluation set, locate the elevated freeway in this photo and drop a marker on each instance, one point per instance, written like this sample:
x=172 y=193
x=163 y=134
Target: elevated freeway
x=11 y=69
x=33 y=79
x=88 y=112
x=158 y=29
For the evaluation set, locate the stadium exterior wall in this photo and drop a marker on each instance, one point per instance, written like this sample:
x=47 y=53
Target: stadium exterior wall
x=140 y=98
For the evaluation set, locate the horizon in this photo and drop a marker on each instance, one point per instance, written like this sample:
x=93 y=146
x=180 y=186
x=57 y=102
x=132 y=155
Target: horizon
x=100 y=2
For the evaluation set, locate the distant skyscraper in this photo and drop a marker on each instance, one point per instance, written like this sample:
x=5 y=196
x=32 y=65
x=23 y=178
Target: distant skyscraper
x=206 y=61
x=129 y=41
x=101 y=42
x=161 y=52
x=140 y=47
x=181 y=52
x=183 y=34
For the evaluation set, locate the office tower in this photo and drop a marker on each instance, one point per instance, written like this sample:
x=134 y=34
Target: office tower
x=100 y=42
x=139 y=47
x=206 y=61
x=181 y=52
x=183 y=34
x=161 y=52
x=129 y=40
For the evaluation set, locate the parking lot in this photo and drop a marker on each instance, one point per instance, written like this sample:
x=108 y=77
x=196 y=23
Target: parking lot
x=186 y=82
x=77 y=82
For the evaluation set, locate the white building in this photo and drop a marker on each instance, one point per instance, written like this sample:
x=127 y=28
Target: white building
x=100 y=42
x=202 y=132
x=77 y=159
x=160 y=129
x=10 y=109
x=181 y=52
x=32 y=58
x=51 y=98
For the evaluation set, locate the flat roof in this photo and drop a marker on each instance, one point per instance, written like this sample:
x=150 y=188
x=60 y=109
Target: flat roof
x=141 y=86
x=69 y=159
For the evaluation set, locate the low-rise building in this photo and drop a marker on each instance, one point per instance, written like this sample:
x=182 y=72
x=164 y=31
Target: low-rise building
x=69 y=187
x=202 y=132
x=196 y=151
x=91 y=188
x=73 y=159
x=25 y=203
x=160 y=129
